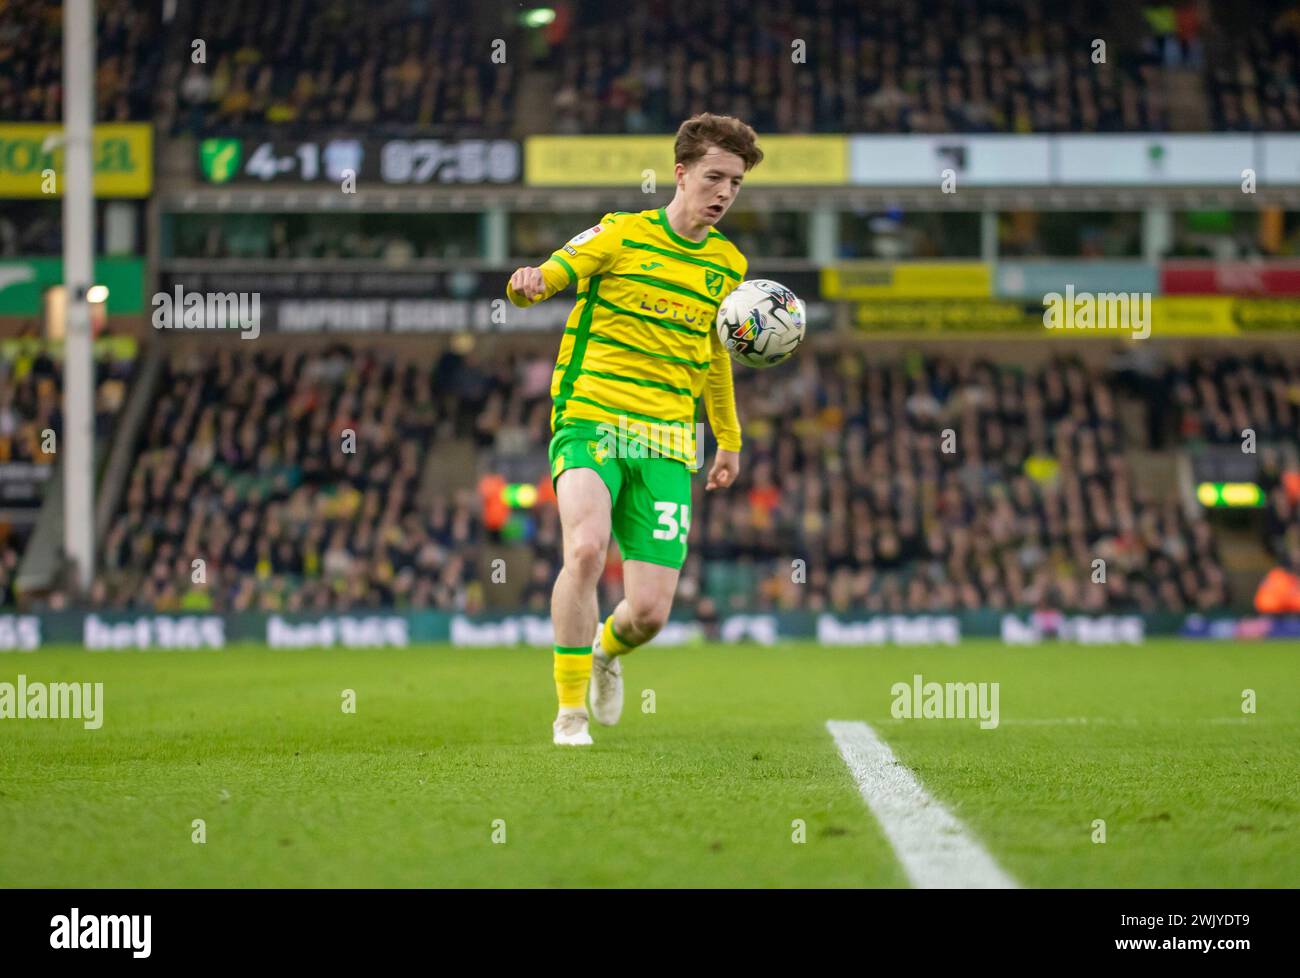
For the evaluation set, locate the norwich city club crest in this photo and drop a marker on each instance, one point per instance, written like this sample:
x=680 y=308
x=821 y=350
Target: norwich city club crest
x=713 y=282
x=599 y=451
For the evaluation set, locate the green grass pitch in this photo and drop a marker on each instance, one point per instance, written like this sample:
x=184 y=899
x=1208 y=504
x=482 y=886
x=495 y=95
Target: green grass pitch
x=704 y=791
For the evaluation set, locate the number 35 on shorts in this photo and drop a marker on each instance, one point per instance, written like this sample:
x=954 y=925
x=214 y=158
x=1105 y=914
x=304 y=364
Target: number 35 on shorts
x=674 y=521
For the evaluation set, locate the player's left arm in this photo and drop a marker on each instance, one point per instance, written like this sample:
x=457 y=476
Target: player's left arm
x=720 y=403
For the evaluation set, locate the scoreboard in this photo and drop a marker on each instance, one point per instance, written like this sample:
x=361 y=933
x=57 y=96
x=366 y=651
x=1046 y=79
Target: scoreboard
x=394 y=162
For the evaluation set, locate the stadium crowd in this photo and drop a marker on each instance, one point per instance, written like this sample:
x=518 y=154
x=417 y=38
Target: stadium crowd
x=31 y=424
x=911 y=66
x=200 y=67
x=1255 y=86
x=917 y=485
x=31 y=393
x=127 y=60
x=294 y=479
x=1216 y=399
x=1251 y=403
x=327 y=62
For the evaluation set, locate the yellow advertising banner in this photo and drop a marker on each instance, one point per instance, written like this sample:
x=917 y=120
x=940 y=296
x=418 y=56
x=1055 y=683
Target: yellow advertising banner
x=122 y=156
x=1202 y=315
x=790 y=161
x=607 y=161
x=1255 y=315
x=1147 y=316
x=1141 y=315
x=907 y=280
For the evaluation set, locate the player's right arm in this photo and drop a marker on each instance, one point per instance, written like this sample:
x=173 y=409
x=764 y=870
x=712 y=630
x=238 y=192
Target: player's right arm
x=528 y=285
x=584 y=255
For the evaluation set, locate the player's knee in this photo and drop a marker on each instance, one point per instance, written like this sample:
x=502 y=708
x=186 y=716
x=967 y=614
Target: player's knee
x=585 y=558
x=648 y=616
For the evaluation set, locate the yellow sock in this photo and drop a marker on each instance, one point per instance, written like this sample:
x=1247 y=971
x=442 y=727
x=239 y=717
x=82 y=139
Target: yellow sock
x=572 y=672
x=609 y=640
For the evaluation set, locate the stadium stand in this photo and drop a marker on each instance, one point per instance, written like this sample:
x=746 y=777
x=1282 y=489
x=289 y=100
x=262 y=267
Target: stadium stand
x=405 y=62
x=247 y=460
x=127 y=63
x=31 y=395
x=1012 y=66
x=1216 y=400
x=31 y=404
x=243 y=461
x=1218 y=397
x=907 y=67
x=1252 y=85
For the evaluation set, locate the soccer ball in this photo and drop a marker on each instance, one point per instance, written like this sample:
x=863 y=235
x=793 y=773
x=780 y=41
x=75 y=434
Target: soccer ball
x=761 y=323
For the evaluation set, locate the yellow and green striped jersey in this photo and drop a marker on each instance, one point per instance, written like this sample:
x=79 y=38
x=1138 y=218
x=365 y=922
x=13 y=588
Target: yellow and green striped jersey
x=640 y=350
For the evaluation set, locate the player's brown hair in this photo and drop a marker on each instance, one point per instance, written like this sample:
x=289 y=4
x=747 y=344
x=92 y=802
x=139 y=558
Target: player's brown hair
x=699 y=132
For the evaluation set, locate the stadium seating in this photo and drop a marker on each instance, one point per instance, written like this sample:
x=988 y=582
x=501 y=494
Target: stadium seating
x=912 y=66
x=127 y=65
x=847 y=469
x=1252 y=85
x=294 y=477
x=905 y=67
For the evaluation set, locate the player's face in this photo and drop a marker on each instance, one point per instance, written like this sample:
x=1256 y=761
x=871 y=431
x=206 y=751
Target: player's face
x=711 y=184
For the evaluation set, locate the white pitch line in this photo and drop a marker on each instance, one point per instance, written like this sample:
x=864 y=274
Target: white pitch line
x=934 y=847
x=1111 y=721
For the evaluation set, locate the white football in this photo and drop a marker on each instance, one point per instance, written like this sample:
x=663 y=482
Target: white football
x=761 y=323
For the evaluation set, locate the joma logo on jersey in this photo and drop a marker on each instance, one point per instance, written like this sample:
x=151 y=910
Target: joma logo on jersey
x=713 y=282
x=673 y=308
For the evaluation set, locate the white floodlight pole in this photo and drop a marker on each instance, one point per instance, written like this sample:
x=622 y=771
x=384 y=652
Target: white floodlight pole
x=78 y=434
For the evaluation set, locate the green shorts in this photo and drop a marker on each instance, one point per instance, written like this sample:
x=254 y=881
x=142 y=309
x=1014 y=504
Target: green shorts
x=651 y=514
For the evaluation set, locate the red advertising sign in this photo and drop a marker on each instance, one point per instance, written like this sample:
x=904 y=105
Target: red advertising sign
x=1276 y=278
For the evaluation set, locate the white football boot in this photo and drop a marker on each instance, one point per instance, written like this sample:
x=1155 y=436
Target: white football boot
x=570 y=729
x=605 y=692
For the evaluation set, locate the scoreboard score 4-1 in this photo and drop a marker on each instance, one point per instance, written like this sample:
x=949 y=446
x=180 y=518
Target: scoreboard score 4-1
x=396 y=162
